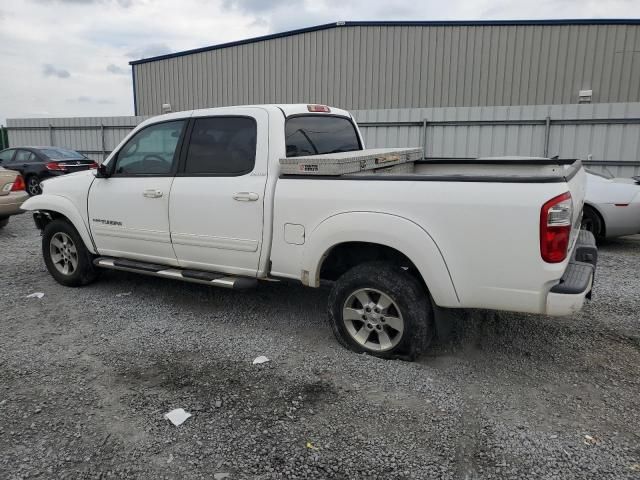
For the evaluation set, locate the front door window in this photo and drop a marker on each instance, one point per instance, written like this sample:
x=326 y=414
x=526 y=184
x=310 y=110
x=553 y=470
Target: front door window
x=151 y=151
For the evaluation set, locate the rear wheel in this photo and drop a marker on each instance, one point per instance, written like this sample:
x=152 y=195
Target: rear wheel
x=65 y=255
x=381 y=309
x=593 y=222
x=33 y=185
x=4 y=222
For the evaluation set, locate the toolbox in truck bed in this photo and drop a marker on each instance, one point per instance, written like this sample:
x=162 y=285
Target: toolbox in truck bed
x=349 y=162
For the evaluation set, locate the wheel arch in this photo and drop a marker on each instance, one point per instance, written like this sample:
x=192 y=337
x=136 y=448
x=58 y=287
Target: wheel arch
x=400 y=238
x=48 y=207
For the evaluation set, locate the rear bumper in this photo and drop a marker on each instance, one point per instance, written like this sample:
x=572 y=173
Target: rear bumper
x=10 y=204
x=568 y=296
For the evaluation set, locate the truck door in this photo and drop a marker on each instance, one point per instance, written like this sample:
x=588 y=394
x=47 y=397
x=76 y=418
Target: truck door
x=129 y=211
x=216 y=208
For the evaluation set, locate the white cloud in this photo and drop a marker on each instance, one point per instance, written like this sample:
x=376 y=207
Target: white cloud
x=92 y=100
x=115 y=69
x=49 y=70
x=151 y=50
x=55 y=52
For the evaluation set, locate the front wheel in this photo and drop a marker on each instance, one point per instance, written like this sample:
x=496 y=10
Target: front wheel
x=4 y=222
x=65 y=255
x=381 y=309
x=592 y=222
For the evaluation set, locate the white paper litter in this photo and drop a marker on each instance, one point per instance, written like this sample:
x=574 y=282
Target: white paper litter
x=123 y=294
x=260 y=359
x=35 y=295
x=177 y=416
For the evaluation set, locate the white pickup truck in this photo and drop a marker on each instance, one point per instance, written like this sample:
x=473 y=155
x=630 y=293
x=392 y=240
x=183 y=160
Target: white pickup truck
x=200 y=196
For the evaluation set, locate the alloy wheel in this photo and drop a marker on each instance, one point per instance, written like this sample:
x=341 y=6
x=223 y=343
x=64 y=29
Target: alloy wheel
x=373 y=319
x=64 y=254
x=33 y=185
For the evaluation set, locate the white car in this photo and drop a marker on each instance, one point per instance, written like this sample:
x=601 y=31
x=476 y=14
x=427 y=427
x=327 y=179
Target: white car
x=233 y=196
x=612 y=206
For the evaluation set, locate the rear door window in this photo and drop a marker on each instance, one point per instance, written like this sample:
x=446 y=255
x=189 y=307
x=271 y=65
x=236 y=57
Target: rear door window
x=6 y=156
x=222 y=146
x=24 y=156
x=318 y=134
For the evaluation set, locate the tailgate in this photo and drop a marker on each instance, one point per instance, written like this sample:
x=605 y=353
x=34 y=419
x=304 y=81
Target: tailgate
x=577 y=185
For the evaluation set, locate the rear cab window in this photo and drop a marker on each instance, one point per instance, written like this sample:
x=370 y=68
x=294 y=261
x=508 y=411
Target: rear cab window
x=319 y=134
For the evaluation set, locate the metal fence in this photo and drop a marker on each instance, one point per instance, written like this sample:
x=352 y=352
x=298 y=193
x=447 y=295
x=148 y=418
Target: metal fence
x=605 y=136
x=95 y=137
x=4 y=138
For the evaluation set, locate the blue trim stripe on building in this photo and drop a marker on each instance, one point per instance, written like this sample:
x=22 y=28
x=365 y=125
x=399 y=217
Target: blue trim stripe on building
x=326 y=26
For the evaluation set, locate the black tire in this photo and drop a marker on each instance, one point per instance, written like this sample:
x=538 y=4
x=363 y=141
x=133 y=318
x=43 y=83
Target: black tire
x=84 y=271
x=408 y=296
x=593 y=222
x=33 y=185
x=4 y=222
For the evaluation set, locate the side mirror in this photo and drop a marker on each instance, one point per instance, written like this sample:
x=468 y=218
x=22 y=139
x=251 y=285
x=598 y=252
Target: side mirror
x=102 y=171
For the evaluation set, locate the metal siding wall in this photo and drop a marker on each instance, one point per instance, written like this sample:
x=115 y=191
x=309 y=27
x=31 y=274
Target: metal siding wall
x=81 y=133
x=360 y=67
x=600 y=142
x=616 y=143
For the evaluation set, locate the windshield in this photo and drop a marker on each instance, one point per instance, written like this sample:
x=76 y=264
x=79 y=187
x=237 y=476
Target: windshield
x=317 y=134
x=62 y=154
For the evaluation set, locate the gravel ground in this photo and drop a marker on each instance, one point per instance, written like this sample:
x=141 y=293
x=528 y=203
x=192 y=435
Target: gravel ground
x=87 y=374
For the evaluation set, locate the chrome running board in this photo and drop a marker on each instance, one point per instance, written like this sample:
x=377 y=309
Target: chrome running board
x=194 y=276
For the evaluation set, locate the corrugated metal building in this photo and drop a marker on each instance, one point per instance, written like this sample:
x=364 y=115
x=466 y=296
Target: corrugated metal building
x=458 y=89
x=381 y=65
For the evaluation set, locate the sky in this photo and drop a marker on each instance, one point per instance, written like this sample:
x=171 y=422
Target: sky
x=64 y=58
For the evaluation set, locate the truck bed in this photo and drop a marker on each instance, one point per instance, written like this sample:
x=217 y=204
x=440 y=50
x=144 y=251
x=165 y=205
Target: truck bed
x=481 y=217
x=518 y=169
x=372 y=163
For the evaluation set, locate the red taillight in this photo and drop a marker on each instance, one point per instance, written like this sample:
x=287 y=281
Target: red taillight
x=18 y=184
x=93 y=165
x=318 y=108
x=555 y=228
x=55 y=166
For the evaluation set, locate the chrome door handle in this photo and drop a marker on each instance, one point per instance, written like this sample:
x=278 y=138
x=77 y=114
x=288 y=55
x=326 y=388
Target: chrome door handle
x=152 y=193
x=245 y=196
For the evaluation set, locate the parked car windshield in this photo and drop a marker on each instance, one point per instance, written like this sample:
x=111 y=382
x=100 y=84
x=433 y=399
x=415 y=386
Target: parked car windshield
x=317 y=134
x=62 y=154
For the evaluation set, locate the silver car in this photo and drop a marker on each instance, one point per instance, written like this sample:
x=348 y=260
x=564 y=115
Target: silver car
x=612 y=206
